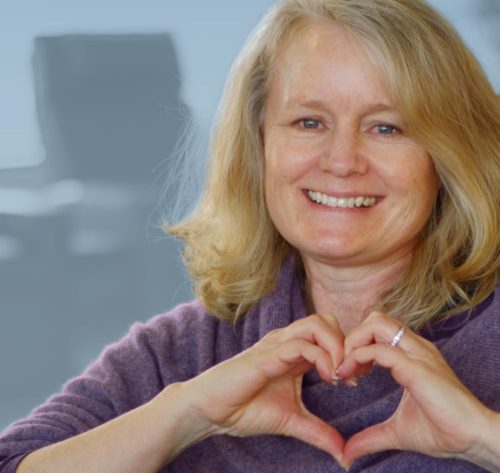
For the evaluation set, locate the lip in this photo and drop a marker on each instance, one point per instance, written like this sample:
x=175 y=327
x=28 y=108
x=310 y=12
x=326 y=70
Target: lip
x=339 y=196
x=345 y=195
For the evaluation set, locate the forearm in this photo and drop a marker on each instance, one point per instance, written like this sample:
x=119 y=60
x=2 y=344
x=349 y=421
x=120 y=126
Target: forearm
x=144 y=439
x=487 y=453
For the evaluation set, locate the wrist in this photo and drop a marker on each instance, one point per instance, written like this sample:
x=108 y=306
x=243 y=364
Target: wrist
x=486 y=452
x=184 y=426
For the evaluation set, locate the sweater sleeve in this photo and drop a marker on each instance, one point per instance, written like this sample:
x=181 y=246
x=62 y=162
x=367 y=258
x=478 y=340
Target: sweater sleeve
x=127 y=374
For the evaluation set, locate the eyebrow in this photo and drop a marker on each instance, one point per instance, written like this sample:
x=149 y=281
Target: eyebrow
x=381 y=107
x=371 y=108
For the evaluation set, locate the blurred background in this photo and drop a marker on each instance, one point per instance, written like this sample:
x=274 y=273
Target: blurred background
x=94 y=99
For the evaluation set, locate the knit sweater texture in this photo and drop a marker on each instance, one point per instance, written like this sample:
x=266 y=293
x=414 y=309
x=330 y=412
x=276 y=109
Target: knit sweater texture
x=180 y=344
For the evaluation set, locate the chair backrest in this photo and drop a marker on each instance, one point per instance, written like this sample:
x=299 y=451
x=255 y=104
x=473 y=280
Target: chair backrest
x=108 y=105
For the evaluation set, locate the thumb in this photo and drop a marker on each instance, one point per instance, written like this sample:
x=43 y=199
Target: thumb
x=374 y=439
x=314 y=431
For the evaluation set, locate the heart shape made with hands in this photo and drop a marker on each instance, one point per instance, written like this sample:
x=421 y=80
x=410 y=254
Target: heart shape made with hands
x=372 y=439
x=321 y=343
x=434 y=415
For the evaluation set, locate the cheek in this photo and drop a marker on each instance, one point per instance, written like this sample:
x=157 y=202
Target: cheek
x=288 y=164
x=424 y=185
x=272 y=178
x=413 y=175
x=414 y=184
x=278 y=167
x=428 y=184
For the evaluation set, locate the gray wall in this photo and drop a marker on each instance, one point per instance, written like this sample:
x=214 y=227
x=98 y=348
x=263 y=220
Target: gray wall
x=88 y=125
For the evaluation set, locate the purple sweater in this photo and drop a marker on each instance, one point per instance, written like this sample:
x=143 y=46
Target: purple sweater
x=186 y=341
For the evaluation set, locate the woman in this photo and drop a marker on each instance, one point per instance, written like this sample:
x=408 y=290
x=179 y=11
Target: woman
x=347 y=244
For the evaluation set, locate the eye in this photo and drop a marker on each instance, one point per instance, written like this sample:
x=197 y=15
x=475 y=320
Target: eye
x=309 y=123
x=384 y=129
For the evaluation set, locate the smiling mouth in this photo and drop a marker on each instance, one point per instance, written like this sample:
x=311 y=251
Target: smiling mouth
x=341 y=202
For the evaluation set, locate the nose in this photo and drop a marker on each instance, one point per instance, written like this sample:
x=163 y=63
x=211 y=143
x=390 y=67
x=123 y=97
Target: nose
x=342 y=155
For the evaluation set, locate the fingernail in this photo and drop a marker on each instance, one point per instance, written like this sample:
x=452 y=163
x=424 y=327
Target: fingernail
x=337 y=372
x=345 y=465
x=335 y=380
x=342 y=463
x=352 y=382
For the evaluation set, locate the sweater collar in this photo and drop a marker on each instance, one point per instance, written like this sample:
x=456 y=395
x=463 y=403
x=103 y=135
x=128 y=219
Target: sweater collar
x=282 y=306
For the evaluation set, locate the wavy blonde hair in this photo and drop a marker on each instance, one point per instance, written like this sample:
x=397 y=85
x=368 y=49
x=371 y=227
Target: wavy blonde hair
x=232 y=249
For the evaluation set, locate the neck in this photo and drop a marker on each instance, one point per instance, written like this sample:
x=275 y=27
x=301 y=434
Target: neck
x=350 y=293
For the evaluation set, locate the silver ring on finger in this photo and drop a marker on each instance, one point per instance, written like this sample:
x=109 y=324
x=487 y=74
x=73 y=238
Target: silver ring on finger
x=398 y=336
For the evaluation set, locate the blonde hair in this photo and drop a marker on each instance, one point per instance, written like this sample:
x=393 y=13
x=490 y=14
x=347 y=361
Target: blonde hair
x=232 y=249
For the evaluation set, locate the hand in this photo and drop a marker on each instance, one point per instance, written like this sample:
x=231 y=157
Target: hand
x=437 y=414
x=259 y=390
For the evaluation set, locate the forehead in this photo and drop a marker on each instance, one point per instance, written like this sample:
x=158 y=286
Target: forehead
x=324 y=58
x=312 y=33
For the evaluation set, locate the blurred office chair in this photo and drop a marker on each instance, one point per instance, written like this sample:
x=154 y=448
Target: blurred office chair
x=81 y=266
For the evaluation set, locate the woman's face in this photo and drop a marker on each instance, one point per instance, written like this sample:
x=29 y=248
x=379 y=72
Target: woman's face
x=345 y=184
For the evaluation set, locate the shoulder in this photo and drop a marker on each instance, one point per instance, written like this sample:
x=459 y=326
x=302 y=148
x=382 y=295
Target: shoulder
x=483 y=319
x=170 y=328
x=470 y=342
x=179 y=344
x=187 y=340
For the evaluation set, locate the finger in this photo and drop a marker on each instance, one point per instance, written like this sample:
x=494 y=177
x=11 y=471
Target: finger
x=430 y=380
x=323 y=330
x=374 y=439
x=316 y=432
x=295 y=357
x=355 y=371
x=337 y=350
x=384 y=355
x=379 y=328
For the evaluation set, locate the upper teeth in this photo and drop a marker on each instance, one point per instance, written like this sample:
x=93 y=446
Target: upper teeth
x=342 y=202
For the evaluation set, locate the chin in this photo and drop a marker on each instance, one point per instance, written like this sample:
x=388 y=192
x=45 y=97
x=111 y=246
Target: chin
x=330 y=252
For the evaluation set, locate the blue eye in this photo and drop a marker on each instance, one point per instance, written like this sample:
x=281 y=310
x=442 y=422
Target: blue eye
x=310 y=123
x=387 y=129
